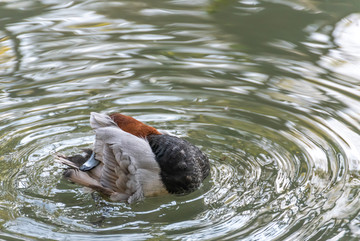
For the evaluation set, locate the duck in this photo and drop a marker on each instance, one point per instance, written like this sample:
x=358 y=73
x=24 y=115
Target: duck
x=131 y=160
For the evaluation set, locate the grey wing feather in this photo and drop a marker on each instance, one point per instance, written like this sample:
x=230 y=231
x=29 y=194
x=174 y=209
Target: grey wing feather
x=124 y=157
x=98 y=120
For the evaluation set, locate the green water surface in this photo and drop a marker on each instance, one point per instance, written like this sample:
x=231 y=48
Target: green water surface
x=268 y=89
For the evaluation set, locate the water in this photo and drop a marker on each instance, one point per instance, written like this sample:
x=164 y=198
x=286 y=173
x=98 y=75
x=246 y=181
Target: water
x=269 y=89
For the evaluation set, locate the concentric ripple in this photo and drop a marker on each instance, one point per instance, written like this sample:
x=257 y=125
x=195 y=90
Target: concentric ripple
x=274 y=104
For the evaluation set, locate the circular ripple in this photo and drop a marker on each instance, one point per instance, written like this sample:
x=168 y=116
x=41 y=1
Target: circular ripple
x=281 y=132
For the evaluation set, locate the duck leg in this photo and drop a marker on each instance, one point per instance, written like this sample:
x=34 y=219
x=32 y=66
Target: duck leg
x=90 y=163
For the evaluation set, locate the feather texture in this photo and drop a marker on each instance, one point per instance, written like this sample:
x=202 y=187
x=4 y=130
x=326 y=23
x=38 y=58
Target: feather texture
x=183 y=165
x=128 y=170
x=136 y=160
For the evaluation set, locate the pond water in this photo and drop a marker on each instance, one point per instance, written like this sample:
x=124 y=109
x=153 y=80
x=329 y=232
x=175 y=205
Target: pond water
x=268 y=89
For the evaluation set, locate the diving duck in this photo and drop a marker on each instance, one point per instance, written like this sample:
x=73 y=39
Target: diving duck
x=131 y=160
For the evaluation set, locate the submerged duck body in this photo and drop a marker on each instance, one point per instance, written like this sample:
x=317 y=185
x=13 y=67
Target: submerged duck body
x=131 y=160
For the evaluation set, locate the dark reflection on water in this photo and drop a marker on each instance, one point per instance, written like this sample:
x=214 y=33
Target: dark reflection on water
x=268 y=89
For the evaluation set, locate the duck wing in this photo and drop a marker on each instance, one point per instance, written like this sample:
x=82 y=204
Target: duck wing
x=129 y=167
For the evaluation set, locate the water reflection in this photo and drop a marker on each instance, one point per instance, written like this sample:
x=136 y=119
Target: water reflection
x=343 y=59
x=268 y=89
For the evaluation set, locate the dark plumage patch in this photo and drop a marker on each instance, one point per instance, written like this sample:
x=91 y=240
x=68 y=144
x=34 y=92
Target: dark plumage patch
x=183 y=165
x=78 y=159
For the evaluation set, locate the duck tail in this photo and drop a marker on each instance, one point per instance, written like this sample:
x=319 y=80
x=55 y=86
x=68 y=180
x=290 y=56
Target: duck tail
x=73 y=161
x=62 y=159
x=74 y=174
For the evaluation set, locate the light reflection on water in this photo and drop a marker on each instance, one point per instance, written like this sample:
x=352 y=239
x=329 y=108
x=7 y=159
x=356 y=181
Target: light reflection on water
x=268 y=89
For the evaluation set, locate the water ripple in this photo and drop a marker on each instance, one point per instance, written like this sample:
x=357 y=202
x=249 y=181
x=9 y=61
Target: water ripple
x=276 y=112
